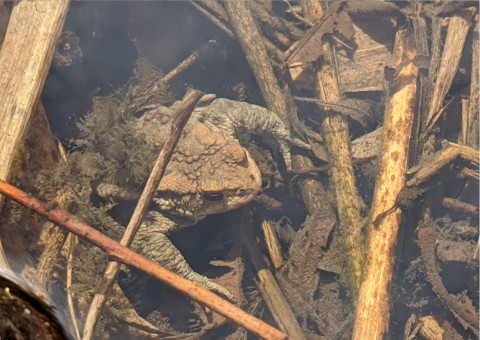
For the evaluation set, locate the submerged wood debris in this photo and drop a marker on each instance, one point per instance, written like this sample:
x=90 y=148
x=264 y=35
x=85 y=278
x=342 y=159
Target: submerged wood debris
x=383 y=207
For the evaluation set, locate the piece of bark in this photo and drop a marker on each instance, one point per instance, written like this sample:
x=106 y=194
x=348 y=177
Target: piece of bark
x=273 y=245
x=367 y=146
x=362 y=71
x=373 y=306
x=25 y=59
x=457 y=32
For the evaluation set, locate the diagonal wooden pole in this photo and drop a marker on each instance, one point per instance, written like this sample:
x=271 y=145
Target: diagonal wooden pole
x=183 y=114
x=127 y=256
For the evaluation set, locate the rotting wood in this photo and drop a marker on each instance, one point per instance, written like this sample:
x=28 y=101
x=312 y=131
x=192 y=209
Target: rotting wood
x=273 y=245
x=460 y=207
x=464 y=313
x=437 y=27
x=442 y=158
x=367 y=146
x=337 y=137
x=25 y=59
x=183 y=114
x=373 y=306
x=430 y=329
x=457 y=32
x=268 y=286
x=277 y=100
x=126 y=256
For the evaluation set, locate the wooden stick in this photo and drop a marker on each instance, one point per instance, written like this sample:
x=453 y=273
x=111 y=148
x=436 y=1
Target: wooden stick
x=268 y=286
x=460 y=207
x=473 y=134
x=122 y=254
x=442 y=158
x=212 y=18
x=373 y=306
x=111 y=272
x=25 y=58
x=251 y=41
x=337 y=137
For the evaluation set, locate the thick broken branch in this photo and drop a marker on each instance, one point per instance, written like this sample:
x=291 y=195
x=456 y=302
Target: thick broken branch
x=373 y=307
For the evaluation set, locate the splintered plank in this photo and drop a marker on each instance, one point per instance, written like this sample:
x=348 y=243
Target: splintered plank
x=25 y=58
x=458 y=28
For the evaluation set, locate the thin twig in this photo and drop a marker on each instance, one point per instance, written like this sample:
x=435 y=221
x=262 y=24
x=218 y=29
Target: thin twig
x=126 y=256
x=213 y=19
x=186 y=63
x=72 y=240
x=184 y=112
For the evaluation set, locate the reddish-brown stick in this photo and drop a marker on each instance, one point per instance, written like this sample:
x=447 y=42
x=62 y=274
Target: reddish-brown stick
x=126 y=256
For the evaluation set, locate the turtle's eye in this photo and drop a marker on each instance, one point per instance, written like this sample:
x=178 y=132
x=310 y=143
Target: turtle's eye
x=213 y=197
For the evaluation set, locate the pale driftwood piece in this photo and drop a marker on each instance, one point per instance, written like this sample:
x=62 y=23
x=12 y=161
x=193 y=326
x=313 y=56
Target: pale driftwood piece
x=430 y=329
x=440 y=160
x=457 y=32
x=463 y=137
x=72 y=240
x=111 y=272
x=277 y=100
x=473 y=135
x=273 y=245
x=470 y=173
x=337 y=136
x=373 y=305
x=25 y=59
